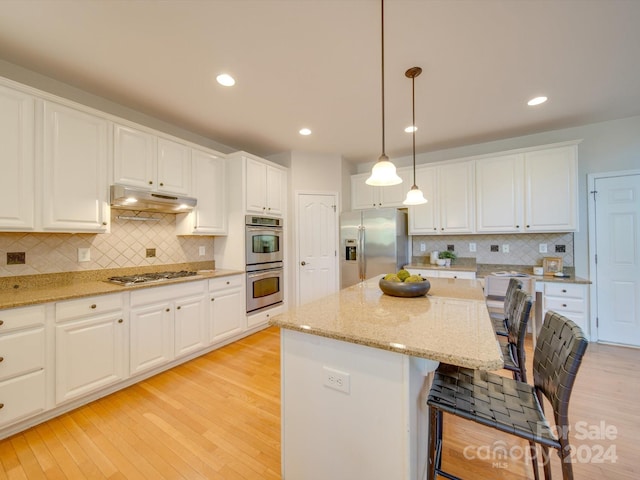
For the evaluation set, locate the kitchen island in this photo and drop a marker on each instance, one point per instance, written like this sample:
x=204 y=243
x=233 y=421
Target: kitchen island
x=356 y=368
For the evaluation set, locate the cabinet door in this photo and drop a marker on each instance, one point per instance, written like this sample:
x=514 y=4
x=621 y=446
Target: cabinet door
x=89 y=355
x=276 y=186
x=363 y=195
x=423 y=219
x=456 y=192
x=551 y=190
x=16 y=151
x=174 y=167
x=256 y=186
x=226 y=315
x=394 y=195
x=210 y=215
x=134 y=157
x=499 y=194
x=190 y=325
x=75 y=170
x=151 y=337
x=22 y=397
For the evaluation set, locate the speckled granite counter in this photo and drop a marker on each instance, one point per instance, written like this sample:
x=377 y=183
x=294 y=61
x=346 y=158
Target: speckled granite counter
x=450 y=325
x=34 y=289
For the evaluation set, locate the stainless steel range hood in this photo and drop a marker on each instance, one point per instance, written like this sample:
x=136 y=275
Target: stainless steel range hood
x=129 y=198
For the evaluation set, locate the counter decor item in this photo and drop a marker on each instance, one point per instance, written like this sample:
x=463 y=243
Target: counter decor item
x=448 y=256
x=403 y=284
x=538 y=270
x=552 y=265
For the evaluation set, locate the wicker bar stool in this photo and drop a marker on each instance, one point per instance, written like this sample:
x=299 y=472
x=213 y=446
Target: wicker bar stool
x=512 y=406
x=500 y=319
x=513 y=350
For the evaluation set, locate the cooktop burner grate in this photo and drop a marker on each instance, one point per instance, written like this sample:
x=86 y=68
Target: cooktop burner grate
x=128 y=280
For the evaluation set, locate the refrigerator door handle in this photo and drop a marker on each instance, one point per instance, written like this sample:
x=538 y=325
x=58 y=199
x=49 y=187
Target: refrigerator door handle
x=362 y=260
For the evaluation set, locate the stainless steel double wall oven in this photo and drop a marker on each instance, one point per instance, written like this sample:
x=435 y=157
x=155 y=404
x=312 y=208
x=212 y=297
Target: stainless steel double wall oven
x=265 y=274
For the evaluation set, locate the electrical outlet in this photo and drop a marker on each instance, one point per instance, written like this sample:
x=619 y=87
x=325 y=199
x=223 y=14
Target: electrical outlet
x=451 y=248
x=336 y=379
x=472 y=247
x=542 y=248
x=561 y=249
x=495 y=248
x=423 y=247
x=505 y=248
x=202 y=250
x=16 y=258
x=151 y=252
x=84 y=254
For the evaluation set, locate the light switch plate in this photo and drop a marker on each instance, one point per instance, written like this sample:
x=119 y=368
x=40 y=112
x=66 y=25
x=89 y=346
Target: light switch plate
x=472 y=247
x=201 y=251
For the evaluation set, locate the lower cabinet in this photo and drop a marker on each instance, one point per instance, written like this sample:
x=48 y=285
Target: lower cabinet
x=428 y=272
x=150 y=337
x=227 y=307
x=22 y=363
x=89 y=346
x=568 y=299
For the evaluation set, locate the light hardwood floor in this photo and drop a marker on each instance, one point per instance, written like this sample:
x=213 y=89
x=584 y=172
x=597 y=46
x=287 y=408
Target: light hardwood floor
x=218 y=417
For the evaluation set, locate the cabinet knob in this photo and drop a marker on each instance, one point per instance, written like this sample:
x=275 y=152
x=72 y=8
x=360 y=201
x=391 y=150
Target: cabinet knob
x=168 y=310
x=1 y=359
x=434 y=228
x=213 y=299
x=179 y=307
x=1 y=322
x=564 y=290
x=104 y=223
x=517 y=226
x=1 y=405
x=228 y=283
x=564 y=304
x=150 y=182
x=120 y=320
x=161 y=184
x=94 y=306
x=527 y=226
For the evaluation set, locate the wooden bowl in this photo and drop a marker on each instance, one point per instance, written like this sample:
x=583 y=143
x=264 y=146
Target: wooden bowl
x=401 y=289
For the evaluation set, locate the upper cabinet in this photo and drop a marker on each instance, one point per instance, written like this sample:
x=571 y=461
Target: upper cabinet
x=366 y=196
x=144 y=160
x=17 y=134
x=264 y=187
x=449 y=193
x=532 y=191
x=209 y=187
x=74 y=170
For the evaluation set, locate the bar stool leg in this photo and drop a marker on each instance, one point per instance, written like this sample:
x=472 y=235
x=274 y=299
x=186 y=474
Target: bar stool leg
x=534 y=460
x=435 y=433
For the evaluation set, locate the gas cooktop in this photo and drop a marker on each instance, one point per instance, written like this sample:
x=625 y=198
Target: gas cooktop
x=137 y=279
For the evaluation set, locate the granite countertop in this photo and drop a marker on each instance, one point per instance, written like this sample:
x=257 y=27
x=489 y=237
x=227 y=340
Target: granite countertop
x=451 y=324
x=35 y=289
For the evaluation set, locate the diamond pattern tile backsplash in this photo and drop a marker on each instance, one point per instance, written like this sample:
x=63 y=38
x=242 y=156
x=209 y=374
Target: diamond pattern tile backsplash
x=523 y=248
x=125 y=246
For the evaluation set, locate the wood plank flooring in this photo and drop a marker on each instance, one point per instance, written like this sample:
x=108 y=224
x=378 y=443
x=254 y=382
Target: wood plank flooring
x=218 y=417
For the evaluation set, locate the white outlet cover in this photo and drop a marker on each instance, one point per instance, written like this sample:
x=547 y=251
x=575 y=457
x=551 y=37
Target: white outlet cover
x=84 y=254
x=505 y=248
x=472 y=247
x=202 y=251
x=542 y=248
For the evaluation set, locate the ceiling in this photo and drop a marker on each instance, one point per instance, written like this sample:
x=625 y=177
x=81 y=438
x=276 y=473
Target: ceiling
x=316 y=64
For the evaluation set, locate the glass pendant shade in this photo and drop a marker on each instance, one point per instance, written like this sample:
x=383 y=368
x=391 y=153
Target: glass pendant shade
x=414 y=197
x=383 y=173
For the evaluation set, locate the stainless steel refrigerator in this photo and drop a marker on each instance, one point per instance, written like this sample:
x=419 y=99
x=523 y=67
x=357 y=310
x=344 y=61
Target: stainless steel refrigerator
x=372 y=242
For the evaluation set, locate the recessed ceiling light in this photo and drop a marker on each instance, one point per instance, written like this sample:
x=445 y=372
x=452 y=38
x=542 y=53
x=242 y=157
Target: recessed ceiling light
x=411 y=129
x=536 y=101
x=226 y=80
x=304 y=131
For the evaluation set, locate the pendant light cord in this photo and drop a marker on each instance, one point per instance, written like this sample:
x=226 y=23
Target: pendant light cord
x=382 y=75
x=413 y=122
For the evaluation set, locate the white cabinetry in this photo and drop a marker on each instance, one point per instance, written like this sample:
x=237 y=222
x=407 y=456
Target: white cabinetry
x=550 y=190
x=449 y=193
x=90 y=339
x=22 y=363
x=568 y=299
x=166 y=322
x=74 y=170
x=367 y=196
x=209 y=187
x=144 y=160
x=17 y=189
x=500 y=194
x=433 y=273
x=265 y=188
x=227 y=307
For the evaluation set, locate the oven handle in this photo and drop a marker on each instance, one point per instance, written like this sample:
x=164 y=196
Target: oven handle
x=277 y=231
x=264 y=273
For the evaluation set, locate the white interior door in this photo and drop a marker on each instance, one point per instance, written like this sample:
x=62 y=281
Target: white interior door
x=317 y=246
x=617 y=208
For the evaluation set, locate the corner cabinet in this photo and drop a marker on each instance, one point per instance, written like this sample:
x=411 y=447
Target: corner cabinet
x=365 y=196
x=17 y=189
x=209 y=187
x=74 y=170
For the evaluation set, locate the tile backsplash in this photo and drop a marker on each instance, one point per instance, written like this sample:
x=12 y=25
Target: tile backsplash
x=125 y=246
x=523 y=248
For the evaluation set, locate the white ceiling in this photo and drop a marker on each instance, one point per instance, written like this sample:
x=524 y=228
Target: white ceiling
x=316 y=64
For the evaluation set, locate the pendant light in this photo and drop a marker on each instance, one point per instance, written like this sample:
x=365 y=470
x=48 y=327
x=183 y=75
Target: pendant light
x=414 y=195
x=384 y=171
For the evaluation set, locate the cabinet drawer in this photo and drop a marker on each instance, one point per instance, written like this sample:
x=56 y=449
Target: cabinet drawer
x=572 y=290
x=562 y=305
x=21 y=352
x=166 y=293
x=21 y=397
x=88 y=306
x=17 y=318
x=231 y=281
x=456 y=274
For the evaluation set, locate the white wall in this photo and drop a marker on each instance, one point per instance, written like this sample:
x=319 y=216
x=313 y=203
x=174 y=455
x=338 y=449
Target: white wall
x=606 y=146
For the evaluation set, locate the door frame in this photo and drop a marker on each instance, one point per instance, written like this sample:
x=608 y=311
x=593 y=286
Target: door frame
x=593 y=297
x=296 y=239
